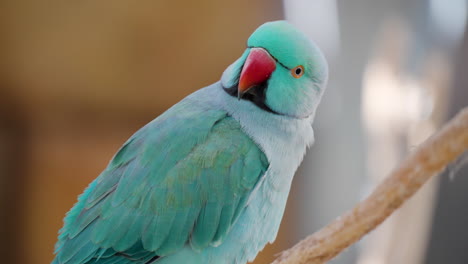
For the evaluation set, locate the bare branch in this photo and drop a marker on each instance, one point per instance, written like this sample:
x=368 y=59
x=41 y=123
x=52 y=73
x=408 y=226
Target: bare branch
x=428 y=160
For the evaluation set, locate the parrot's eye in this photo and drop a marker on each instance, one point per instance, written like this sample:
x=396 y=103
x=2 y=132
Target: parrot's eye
x=297 y=71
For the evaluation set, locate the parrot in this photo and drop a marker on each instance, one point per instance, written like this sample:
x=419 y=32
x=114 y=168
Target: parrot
x=206 y=182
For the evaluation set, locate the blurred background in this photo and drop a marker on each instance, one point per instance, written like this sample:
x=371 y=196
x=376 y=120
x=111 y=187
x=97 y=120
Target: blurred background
x=78 y=78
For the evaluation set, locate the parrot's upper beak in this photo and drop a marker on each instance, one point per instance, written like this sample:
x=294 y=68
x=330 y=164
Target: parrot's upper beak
x=258 y=67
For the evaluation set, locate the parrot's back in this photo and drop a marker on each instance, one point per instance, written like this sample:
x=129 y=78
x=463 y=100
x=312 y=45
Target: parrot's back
x=183 y=179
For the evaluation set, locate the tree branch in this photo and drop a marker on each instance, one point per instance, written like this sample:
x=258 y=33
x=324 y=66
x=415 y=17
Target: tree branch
x=427 y=160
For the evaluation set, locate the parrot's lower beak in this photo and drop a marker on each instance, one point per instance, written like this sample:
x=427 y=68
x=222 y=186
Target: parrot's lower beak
x=258 y=67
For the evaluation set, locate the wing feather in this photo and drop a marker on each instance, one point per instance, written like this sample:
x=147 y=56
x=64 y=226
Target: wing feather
x=182 y=179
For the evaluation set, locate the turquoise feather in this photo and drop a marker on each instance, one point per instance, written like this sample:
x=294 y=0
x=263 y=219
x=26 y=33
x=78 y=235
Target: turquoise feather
x=176 y=181
x=207 y=181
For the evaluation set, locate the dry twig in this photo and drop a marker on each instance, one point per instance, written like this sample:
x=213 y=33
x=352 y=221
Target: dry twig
x=429 y=159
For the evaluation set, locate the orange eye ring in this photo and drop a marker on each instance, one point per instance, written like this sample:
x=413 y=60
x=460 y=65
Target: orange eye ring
x=297 y=71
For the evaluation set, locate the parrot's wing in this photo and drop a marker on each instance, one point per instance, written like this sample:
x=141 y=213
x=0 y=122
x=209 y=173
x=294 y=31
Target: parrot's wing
x=182 y=179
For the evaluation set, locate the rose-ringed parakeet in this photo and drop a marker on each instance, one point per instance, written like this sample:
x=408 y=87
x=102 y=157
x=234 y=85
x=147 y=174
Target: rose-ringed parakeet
x=207 y=181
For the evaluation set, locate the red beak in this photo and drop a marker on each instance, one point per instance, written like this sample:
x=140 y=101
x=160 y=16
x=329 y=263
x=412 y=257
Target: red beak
x=258 y=67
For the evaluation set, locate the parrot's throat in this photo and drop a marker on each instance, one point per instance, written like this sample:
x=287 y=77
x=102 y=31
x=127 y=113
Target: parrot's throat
x=255 y=94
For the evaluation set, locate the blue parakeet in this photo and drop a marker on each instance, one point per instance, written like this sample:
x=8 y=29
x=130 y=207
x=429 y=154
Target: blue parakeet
x=207 y=181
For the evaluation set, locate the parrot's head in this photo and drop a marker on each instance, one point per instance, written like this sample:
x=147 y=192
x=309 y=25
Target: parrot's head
x=281 y=71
